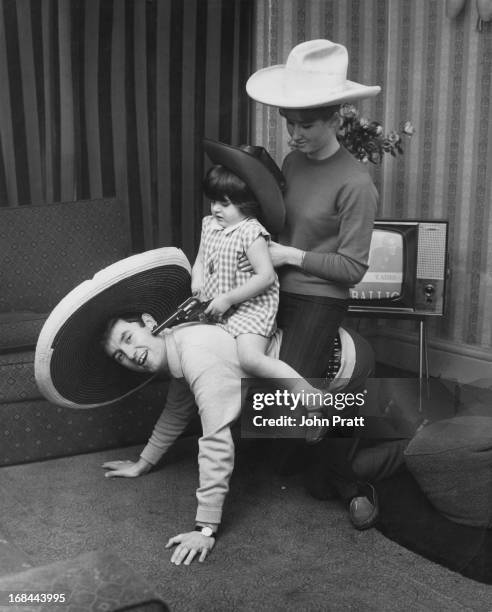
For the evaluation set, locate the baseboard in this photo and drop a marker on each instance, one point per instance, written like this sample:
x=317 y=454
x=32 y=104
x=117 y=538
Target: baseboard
x=463 y=363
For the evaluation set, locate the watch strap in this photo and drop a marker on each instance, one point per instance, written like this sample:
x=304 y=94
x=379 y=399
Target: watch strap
x=200 y=528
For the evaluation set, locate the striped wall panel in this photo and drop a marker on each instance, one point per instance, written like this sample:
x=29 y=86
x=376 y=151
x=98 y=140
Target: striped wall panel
x=437 y=73
x=105 y=97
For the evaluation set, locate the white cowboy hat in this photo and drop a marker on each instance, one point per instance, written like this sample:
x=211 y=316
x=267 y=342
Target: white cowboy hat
x=315 y=75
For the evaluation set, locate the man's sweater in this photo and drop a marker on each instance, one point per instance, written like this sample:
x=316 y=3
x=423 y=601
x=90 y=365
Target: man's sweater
x=203 y=362
x=331 y=206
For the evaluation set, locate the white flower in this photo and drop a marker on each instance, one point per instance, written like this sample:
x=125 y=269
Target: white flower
x=408 y=128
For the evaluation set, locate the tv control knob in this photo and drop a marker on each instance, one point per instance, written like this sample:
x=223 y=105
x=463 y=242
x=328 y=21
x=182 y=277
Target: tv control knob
x=428 y=291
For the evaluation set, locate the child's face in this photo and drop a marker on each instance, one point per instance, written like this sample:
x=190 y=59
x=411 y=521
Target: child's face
x=226 y=213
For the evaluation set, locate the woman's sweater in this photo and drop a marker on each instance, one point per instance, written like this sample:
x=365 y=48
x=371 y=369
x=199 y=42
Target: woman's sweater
x=331 y=206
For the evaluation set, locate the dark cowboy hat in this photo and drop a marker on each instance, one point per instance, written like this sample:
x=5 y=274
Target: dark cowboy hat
x=71 y=367
x=260 y=173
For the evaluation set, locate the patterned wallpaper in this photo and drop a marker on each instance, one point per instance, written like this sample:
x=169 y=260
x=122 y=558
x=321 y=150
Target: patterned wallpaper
x=435 y=72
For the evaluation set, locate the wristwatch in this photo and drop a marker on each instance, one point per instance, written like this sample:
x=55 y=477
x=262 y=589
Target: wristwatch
x=206 y=530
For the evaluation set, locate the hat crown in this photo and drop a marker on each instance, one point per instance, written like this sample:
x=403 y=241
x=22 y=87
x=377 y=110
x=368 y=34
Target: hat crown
x=320 y=56
x=262 y=155
x=315 y=74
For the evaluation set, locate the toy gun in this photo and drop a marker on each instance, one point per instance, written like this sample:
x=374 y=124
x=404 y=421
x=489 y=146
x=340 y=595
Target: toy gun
x=190 y=310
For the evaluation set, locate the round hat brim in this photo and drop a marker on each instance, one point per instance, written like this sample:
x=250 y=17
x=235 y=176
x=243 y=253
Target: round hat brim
x=258 y=178
x=268 y=87
x=71 y=367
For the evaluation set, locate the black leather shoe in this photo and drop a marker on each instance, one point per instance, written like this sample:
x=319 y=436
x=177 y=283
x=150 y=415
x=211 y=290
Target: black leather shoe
x=364 y=508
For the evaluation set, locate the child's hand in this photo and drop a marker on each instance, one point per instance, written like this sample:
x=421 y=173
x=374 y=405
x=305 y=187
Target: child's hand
x=218 y=306
x=196 y=288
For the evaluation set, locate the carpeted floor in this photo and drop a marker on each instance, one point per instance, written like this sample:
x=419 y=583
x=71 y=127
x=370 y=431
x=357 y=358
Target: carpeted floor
x=279 y=549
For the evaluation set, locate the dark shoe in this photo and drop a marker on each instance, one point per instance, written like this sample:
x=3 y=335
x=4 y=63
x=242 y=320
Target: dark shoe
x=364 y=508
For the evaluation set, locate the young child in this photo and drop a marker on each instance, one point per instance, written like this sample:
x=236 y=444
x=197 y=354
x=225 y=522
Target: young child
x=245 y=302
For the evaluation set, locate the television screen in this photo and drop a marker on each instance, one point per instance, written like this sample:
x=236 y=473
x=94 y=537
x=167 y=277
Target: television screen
x=384 y=278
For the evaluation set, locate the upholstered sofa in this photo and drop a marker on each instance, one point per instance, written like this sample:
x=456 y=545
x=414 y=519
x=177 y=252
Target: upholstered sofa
x=45 y=251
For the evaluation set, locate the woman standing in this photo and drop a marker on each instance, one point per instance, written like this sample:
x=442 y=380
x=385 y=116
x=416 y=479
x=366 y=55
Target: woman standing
x=330 y=202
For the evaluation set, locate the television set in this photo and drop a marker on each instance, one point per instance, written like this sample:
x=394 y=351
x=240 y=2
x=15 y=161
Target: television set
x=407 y=270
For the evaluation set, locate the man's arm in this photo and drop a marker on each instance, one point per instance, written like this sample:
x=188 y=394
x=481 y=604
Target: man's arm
x=178 y=412
x=214 y=377
x=218 y=397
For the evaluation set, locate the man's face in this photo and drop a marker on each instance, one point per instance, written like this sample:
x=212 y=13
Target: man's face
x=132 y=345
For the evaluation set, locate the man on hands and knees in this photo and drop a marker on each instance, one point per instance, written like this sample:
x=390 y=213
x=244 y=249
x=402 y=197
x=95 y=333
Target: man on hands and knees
x=202 y=361
x=84 y=370
x=130 y=342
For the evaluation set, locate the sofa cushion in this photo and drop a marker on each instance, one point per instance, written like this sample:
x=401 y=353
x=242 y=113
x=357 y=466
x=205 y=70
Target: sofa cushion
x=45 y=251
x=35 y=429
x=17 y=383
x=452 y=462
x=20 y=330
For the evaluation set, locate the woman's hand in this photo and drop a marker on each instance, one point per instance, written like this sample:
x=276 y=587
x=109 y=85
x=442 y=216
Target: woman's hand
x=244 y=264
x=285 y=255
x=280 y=255
x=219 y=306
x=126 y=469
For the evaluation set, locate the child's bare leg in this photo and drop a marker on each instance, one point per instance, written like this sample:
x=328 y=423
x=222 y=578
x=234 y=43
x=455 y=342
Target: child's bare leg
x=251 y=351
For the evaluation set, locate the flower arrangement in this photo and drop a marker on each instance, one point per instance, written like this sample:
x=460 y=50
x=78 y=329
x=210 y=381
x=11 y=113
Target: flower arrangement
x=366 y=139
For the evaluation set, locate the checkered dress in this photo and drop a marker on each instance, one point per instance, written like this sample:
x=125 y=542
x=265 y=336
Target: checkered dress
x=222 y=247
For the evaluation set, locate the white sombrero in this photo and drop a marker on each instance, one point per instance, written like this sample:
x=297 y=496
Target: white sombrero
x=315 y=74
x=71 y=367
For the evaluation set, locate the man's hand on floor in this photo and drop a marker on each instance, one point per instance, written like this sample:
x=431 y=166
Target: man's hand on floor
x=189 y=545
x=126 y=469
